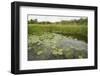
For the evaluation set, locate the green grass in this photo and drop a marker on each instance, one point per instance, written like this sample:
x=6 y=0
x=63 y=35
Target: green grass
x=75 y=31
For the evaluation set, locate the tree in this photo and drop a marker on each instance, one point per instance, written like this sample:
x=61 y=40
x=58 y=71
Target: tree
x=31 y=21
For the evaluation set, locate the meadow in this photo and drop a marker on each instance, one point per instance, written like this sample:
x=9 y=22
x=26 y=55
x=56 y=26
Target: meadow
x=75 y=31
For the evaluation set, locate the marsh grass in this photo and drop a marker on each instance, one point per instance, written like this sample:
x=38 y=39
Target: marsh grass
x=75 y=31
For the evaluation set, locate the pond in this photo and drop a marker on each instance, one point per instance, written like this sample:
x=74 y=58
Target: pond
x=51 y=46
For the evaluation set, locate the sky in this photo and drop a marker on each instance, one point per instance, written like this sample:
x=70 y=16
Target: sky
x=52 y=18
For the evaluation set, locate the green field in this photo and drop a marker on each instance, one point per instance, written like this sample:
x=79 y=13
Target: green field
x=75 y=31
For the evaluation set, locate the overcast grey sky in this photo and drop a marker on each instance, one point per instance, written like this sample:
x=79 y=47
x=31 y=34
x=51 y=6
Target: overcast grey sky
x=49 y=18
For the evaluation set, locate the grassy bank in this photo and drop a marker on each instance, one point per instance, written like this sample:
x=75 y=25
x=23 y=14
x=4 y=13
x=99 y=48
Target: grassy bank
x=75 y=31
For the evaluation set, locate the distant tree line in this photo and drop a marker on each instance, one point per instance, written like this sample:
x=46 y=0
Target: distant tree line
x=79 y=22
